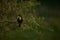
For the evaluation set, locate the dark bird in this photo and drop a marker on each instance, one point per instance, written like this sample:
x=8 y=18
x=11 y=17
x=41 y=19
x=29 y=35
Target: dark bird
x=19 y=20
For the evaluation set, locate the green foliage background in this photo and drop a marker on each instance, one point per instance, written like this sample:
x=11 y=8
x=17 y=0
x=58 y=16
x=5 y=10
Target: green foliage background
x=34 y=27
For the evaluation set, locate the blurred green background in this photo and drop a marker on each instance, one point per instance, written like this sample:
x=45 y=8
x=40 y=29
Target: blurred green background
x=41 y=20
